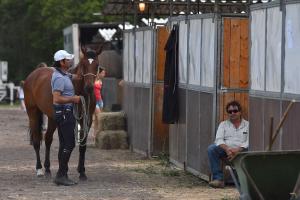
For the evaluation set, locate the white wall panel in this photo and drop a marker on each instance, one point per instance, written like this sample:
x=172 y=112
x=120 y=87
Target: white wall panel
x=195 y=52
x=182 y=52
x=208 y=53
x=258 y=49
x=148 y=43
x=292 y=49
x=125 y=56
x=273 y=58
x=131 y=58
x=139 y=56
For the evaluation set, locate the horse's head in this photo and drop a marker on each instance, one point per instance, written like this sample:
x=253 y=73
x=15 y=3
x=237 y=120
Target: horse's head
x=88 y=67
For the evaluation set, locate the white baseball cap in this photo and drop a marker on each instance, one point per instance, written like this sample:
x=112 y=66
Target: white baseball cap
x=62 y=54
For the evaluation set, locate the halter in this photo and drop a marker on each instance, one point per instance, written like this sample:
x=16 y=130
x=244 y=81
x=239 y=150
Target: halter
x=90 y=74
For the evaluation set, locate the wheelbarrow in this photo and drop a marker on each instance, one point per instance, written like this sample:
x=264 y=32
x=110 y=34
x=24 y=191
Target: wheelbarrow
x=268 y=175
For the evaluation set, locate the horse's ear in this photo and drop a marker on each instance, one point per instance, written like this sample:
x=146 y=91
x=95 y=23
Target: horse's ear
x=83 y=50
x=100 y=49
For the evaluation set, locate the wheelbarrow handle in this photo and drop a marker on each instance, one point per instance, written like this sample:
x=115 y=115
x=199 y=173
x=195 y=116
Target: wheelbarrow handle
x=283 y=118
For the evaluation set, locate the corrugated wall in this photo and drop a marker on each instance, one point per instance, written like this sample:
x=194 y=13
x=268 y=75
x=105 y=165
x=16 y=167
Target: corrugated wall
x=136 y=106
x=207 y=129
x=290 y=130
x=190 y=137
x=256 y=139
x=201 y=102
x=274 y=75
x=203 y=96
x=144 y=59
x=260 y=125
x=137 y=93
x=193 y=127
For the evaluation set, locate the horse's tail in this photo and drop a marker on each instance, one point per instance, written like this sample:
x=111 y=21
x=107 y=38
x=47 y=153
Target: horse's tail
x=40 y=129
x=29 y=136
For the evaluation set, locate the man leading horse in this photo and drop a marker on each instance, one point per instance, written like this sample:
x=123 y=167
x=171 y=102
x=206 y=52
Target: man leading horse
x=49 y=90
x=63 y=99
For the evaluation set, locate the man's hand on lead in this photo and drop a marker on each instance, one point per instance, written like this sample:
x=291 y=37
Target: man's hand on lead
x=76 y=99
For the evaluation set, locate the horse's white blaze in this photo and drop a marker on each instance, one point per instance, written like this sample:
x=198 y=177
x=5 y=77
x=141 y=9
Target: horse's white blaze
x=90 y=60
x=39 y=172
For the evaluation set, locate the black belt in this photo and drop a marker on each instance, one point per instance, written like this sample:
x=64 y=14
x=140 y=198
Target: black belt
x=63 y=107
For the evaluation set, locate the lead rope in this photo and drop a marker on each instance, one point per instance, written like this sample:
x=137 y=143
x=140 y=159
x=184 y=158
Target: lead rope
x=84 y=115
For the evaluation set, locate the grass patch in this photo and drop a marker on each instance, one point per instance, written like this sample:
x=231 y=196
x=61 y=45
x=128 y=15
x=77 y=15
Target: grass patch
x=149 y=170
x=163 y=159
x=161 y=167
x=5 y=105
x=229 y=198
x=170 y=172
x=154 y=170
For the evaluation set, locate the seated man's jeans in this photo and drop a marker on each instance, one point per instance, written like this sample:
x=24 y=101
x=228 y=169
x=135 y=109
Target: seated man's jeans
x=215 y=154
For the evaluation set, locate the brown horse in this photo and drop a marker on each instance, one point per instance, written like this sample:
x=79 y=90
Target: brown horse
x=38 y=100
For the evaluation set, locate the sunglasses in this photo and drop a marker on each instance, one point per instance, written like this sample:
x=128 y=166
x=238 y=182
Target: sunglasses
x=232 y=111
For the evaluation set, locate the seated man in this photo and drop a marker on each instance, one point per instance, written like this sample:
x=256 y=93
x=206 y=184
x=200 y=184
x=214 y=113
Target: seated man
x=231 y=138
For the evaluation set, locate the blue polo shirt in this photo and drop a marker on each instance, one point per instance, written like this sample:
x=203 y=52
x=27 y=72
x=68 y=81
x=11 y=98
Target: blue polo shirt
x=62 y=82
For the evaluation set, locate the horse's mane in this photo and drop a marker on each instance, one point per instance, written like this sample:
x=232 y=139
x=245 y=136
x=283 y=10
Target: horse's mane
x=73 y=69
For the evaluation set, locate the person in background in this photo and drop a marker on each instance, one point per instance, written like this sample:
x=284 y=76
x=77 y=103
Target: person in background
x=232 y=137
x=99 y=101
x=42 y=64
x=21 y=96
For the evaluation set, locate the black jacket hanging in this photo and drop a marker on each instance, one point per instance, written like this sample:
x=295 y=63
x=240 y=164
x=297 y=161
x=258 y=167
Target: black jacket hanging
x=170 y=102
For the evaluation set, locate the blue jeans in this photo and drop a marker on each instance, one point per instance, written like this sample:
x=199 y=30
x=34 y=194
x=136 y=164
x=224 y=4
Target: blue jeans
x=215 y=154
x=99 y=104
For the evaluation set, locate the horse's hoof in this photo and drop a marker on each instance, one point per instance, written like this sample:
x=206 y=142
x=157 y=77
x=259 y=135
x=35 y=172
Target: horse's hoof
x=48 y=174
x=39 y=172
x=82 y=177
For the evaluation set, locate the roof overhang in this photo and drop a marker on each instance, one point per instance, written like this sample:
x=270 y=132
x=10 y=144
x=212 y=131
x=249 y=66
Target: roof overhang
x=161 y=8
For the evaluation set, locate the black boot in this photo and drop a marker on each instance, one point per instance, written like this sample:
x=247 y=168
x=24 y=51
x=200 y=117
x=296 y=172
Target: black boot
x=61 y=176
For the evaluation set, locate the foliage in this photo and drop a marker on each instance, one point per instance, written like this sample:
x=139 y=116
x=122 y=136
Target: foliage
x=31 y=30
x=229 y=198
x=164 y=159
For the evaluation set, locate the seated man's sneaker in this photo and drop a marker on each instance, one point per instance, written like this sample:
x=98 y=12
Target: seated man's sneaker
x=216 y=184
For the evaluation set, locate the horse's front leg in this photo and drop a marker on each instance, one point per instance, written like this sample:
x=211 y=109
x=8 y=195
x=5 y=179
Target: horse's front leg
x=48 y=141
x=82 y=150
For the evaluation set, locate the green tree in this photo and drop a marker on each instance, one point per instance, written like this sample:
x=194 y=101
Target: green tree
x=31 y=30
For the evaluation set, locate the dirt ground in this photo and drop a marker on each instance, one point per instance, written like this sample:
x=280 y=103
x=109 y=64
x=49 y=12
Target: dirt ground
x=112 y=174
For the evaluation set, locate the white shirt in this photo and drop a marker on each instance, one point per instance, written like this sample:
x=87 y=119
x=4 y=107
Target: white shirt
x=21 y=93
x=231 y=136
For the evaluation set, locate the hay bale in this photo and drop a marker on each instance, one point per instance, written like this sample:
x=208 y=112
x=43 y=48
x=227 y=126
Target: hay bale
x=111 y=121
x=112 y=139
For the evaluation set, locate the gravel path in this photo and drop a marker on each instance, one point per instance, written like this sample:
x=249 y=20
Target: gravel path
x=113 y=174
